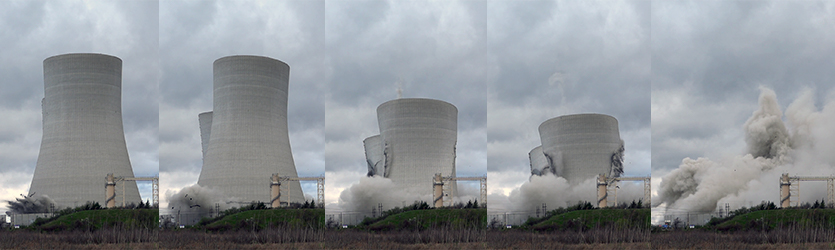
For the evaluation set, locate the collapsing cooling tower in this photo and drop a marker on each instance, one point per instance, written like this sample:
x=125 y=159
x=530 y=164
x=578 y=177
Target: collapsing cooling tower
x=417 y=139
x=247 y=138
x=539 y=163
x=578 y=147
x=83 y=139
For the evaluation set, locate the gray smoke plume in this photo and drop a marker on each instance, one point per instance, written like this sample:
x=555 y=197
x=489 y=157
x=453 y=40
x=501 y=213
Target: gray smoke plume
x=700 y=185
x=198 y=200
x=34 y=203
x=546 y=186
x=555 y=191
x=370 y=191
x=765 y=133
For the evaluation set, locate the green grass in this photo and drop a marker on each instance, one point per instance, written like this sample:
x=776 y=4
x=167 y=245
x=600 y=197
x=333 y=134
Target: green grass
x=97 y=219
x=771 y=219
x=260 y=219
x=579 y=219
x=432 y=218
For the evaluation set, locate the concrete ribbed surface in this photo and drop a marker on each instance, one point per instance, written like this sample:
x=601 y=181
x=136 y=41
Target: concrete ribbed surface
x=419 y=138
x=539 y=164
x=374 y=155
x=83 y=138
x=583 y=144
x=205 y=121
x=249 y=139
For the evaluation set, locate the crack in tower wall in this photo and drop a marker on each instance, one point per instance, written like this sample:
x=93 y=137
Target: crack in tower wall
x=417 y=140
x=578 y=147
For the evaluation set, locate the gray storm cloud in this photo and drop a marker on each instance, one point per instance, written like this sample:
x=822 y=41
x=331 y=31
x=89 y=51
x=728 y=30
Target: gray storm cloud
x=699 y=185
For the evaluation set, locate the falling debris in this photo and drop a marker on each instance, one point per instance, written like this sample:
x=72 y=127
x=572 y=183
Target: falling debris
x=31 y=204
x=198 y=200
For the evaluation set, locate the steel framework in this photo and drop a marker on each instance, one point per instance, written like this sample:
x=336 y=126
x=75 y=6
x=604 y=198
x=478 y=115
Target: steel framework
x=320 y=185
x=110 y=182
x=790 y=189
x=611 y=186
x=449 y=191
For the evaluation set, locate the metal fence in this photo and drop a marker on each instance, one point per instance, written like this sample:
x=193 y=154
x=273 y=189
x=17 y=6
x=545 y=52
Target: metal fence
x=26 y=219
x=511 y=218
x=346 y=218
x=184 y=218
x=690 y=219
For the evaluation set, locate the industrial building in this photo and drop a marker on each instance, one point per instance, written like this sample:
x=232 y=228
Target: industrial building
x=245 y=138
x=417 y=140
x=578 y=147
x=83 y=138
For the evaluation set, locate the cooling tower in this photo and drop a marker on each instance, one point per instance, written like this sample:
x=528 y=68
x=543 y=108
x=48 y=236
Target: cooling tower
x=249 y=140
x=374 y=155
x=418 y=138
x=584 y=145
x=83 y=139
x=205 y=120
x=539 y=164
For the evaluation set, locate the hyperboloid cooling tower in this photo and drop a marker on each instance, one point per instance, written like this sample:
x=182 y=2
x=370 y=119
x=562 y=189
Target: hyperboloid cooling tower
x=539 y=163
x=417 y=139
x=248 y=139
x=83 y=139
x=578 y=147
x=205 y=121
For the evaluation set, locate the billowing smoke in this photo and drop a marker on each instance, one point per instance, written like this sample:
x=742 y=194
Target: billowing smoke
x=370 y=191
x=467 y=193
x=765 y=133
x=31 y=204
x=555 y=191
x=198 y=200
x=547 y=186
x=702 y=184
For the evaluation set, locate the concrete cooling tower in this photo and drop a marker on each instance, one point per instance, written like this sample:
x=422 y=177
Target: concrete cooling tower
x=205 y=120
x=417 y=139
x=374 y=155
x=579 y=147
x=83 y=139
x=539 y=164
x=248 y=139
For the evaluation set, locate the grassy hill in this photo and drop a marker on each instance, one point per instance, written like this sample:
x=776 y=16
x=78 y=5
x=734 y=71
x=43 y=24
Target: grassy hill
x=781 y=218
x=97 y=219
x=260 y=219
x=433 y=218
x=585 y=219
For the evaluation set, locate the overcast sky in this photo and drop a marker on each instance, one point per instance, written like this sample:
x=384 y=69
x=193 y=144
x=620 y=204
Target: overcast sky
x=431 y=50
x=689 y=69
x=709 y=59
x=554 y=58
x=31 y=31
x=193 y=34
